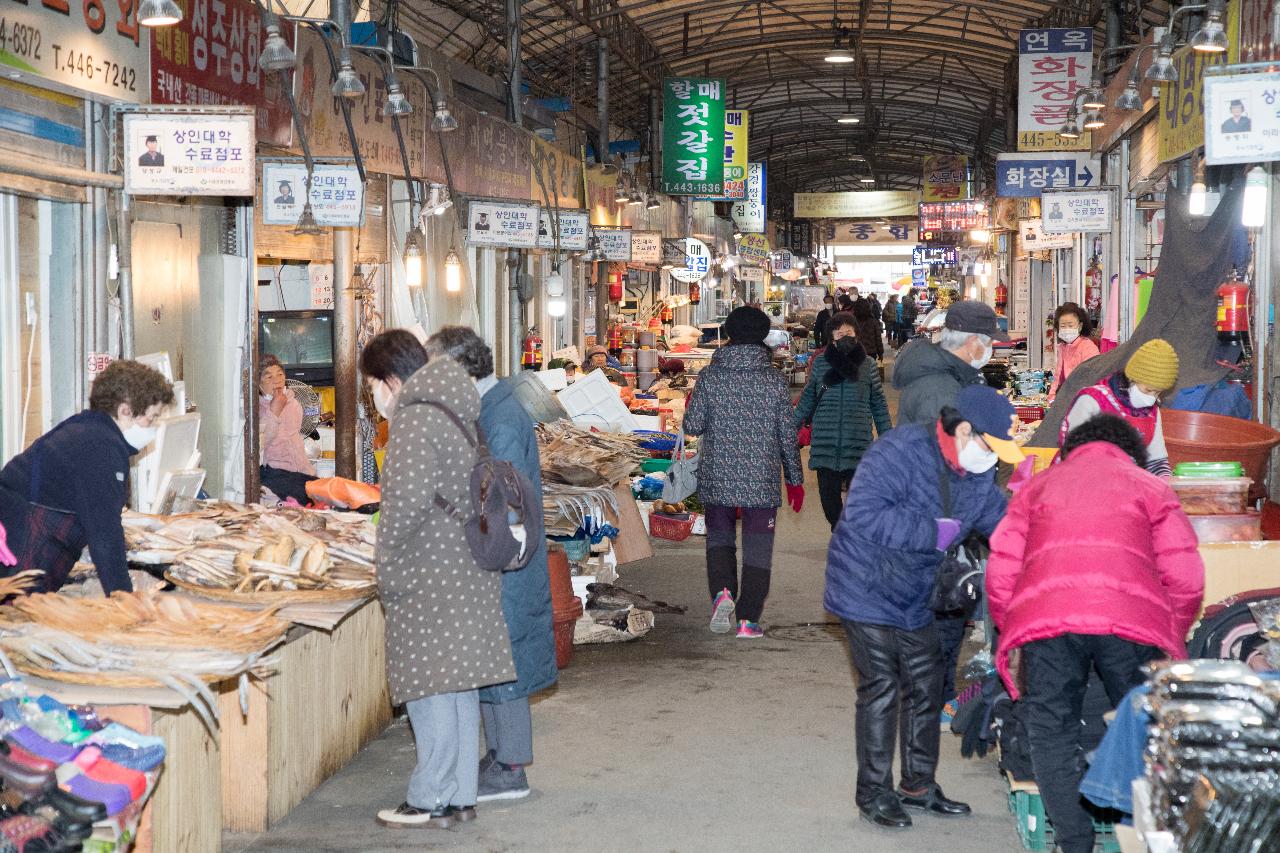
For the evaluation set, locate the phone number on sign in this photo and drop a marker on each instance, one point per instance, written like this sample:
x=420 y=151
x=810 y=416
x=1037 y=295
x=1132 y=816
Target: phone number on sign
x=27 y=42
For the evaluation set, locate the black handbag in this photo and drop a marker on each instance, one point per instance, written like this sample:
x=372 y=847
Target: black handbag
x=958 y=583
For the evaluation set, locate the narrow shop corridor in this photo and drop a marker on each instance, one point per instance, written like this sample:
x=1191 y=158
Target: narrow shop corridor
x=684 y=740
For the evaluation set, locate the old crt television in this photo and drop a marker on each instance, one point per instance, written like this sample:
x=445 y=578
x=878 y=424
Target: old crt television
x=302 y=340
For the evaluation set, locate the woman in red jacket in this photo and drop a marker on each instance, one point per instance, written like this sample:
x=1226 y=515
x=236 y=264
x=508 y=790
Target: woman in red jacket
x=1104 y=575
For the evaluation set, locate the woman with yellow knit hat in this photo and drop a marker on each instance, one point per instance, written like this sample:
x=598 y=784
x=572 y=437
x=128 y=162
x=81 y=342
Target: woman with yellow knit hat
x=1133 y=394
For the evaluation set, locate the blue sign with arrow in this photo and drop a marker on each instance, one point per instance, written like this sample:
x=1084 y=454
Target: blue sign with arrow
x=1026 y=175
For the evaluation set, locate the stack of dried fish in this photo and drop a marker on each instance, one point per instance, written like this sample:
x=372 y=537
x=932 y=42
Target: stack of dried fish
x=578 y=457
x=139 y=640
x=230 y=549
x=566 y=509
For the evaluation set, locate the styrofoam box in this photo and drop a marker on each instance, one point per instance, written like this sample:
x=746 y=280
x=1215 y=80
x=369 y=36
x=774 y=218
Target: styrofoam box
x=593 y=401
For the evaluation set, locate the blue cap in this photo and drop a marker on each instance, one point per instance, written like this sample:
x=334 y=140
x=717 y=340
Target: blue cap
x=992 y=415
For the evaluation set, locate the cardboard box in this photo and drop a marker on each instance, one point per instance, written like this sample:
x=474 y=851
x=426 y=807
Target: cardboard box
x=1234 y=567
x=632 y=543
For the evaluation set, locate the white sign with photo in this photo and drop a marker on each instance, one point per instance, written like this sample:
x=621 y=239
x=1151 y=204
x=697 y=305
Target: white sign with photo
x=1241 y=120
x=1035 y=239
x=573 y=230
x=646 y=247
x=189 y=153
x=337 y=195
x=750 y=273
x=1076 y=211
x=616 y=243
x=491 y=223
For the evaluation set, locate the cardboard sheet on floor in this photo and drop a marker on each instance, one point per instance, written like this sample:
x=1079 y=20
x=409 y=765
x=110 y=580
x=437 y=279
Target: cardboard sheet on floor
x=1235 y=567
x=632 y=543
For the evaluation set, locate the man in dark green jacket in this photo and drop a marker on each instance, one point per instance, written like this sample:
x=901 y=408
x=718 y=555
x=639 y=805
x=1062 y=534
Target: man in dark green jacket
x=843 y=399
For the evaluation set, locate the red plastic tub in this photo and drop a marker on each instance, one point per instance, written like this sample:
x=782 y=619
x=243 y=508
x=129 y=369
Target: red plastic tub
x=1202 y=437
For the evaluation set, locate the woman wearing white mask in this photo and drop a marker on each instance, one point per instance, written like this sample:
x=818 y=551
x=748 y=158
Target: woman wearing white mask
x=285 y=468
x=1133 y=394
x=881 y=564
x=66 y=491
x=1073 y=345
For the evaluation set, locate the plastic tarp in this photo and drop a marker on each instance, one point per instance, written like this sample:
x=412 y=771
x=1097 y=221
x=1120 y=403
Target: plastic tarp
x=1197 y=256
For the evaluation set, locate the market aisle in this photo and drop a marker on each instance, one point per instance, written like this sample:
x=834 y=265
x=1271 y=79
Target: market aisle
x=684 y=740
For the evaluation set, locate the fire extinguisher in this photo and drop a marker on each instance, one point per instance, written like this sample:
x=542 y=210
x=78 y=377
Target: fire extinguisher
x=1002 y=298
x=695 y=293
x=615 y=285
x=1233 y=312
x=666 y=312
x=532 y=359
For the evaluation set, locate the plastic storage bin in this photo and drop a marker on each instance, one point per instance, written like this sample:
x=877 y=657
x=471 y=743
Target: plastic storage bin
x=1212 y=495
x=1245 y=527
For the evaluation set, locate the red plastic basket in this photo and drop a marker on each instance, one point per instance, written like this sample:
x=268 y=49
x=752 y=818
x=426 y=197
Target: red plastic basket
x=1029 y=414
x=670 y=527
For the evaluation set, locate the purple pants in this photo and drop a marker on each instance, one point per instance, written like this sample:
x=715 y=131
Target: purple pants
x=757 y=555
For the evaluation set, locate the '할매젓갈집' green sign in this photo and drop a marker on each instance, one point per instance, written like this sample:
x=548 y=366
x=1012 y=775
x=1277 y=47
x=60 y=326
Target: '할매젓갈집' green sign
x=692 y=136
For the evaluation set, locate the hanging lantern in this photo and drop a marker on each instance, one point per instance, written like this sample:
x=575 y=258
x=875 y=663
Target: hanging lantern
x=695 y=294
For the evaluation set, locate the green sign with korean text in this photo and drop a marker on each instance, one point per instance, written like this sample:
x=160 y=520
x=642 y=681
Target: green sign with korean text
x=693 y=136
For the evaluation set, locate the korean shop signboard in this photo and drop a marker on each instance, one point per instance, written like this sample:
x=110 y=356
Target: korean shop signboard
x=1053 y=65
x=736 y=123
x=491 y=223
x=749 y=214
x=1181 y=112
x=692 y=136
x=337 y=194
x=646 y=247
x=1077 y=211
x=196 y=153
x=1241 y=125
x=573 y=230
x=91 y=46
x=946 y=177
x=615 y=243
x=947 y=217
x=210 y=58
x=697 y=261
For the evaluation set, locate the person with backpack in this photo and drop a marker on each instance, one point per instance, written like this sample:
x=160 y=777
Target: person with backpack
x=742 y=409
x=445 y=635
x=526 y=592
x=1104 y=578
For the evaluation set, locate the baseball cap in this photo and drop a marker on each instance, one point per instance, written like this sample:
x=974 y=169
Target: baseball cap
x=991 y=415
x=974 y=317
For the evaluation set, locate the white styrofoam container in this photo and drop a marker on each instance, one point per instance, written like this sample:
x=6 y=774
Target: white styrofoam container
x=593 y=401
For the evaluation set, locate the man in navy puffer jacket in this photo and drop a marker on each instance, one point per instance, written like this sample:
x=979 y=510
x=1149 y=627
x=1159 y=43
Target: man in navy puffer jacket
x=881 y=565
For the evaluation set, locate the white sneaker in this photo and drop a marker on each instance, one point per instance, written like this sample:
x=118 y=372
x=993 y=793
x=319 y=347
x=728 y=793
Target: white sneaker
x=722 y=613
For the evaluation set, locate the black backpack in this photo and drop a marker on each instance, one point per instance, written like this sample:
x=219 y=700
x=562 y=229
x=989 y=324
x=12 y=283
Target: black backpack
x=504 y=526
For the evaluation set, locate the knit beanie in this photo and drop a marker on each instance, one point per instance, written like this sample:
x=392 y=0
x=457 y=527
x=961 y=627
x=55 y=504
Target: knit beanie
x=1155 y=365
x=746 y=325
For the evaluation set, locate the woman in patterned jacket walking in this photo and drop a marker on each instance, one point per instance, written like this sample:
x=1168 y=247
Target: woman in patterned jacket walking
x=742 y=409
x=446 y=635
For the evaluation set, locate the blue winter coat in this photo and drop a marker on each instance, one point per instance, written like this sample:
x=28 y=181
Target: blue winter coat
x=883 y=556
x=526 y=592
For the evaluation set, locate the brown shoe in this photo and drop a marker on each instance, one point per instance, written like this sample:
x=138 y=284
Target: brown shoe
x=464 y=814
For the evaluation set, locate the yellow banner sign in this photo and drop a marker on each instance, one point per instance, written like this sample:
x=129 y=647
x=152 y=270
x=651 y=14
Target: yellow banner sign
x=1182 y=101
x=735 y=145
x=856 y=205
x=946 y=177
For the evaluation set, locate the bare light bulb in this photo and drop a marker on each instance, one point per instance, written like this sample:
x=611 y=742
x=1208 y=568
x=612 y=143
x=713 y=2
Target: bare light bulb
x=1197 y=199
x=452 y=272
x=1254 y=212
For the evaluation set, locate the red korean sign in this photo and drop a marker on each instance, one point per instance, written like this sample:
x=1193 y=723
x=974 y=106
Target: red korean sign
x=211 y=59
x=949 y=216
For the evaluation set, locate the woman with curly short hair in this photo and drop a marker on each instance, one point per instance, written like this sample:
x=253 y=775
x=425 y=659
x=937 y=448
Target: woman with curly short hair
x=66 y=491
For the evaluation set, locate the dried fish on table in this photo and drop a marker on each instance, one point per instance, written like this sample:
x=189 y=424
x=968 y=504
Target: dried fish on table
x=578 y=457
x=565 y=509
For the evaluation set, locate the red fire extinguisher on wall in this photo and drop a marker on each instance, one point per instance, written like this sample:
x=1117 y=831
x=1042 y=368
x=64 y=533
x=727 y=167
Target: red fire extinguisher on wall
x=532 y=359
x=1233 y=313
x=695 y=293
x=1002 y=298
x=615 y=285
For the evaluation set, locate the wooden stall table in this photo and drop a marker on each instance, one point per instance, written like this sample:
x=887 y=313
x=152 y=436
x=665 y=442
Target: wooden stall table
x=326 y=700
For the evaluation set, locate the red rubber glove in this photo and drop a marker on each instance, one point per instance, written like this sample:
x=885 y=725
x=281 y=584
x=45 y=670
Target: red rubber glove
x=795 y=496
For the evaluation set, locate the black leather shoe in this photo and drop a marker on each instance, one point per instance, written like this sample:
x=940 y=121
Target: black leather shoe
x=886 y=811
x=932 y=799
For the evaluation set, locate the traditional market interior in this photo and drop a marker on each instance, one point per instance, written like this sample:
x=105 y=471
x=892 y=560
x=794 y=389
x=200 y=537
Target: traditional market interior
x=721 y=425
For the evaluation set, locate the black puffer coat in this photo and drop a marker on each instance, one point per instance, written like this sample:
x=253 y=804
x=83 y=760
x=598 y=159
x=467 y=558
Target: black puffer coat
x=741 y=407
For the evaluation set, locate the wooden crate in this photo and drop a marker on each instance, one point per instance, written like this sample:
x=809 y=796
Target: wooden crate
x=327 y=699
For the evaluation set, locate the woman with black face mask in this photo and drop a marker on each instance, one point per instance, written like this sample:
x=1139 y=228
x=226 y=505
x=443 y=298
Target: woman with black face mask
x=843 y=400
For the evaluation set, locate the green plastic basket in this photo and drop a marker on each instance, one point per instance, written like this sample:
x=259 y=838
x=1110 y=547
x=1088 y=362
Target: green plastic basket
x=1208 y=469
x=649 y=466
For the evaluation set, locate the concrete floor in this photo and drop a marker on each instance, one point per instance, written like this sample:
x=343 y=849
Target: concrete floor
x=683 y=740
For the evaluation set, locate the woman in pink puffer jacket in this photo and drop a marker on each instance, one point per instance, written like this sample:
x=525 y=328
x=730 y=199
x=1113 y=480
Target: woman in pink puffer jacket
x=1095 y=567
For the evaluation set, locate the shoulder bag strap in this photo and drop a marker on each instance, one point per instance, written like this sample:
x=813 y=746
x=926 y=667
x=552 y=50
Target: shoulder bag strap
x=474 y=440
x=944 y=480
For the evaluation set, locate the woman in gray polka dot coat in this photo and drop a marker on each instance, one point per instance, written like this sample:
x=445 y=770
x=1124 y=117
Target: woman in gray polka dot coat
x=446 y=636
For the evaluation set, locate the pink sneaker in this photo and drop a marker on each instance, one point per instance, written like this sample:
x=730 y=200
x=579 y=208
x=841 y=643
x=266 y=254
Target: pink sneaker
x=748 y=630
x=722 y=613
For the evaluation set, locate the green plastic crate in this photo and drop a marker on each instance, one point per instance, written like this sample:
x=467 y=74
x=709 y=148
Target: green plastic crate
x=1036 y=833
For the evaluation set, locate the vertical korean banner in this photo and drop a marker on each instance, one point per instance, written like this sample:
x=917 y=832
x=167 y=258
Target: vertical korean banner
x=692 y=136
x=736 y=124
x=1053 y=65
x=1181 y=114
x=210 y=58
